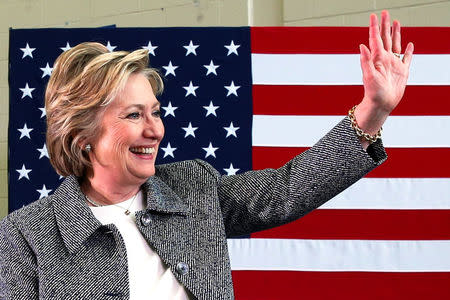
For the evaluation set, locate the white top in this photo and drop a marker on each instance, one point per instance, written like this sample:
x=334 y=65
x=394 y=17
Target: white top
x=149 y=277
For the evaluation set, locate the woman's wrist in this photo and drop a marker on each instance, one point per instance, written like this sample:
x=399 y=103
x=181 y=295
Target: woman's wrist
x=370 y=118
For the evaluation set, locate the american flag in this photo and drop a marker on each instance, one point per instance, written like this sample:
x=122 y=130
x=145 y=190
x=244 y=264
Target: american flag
x=251 y=98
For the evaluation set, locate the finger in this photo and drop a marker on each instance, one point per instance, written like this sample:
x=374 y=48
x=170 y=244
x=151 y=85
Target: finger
x=396 y=38
x=375 y=42
x=366 y=64
x=408 y=54
x=386 y=30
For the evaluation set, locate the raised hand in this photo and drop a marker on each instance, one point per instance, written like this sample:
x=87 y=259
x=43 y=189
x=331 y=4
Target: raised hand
x=385 y=74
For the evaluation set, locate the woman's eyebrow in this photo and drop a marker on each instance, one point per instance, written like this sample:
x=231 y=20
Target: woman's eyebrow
x=141 y=106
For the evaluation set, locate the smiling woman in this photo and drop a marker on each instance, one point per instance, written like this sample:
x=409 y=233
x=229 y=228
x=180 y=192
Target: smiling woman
x=119 y=226
x=123 y=155
x=104 y=126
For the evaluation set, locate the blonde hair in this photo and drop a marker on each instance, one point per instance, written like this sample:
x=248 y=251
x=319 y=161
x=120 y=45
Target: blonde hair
x=85 y=79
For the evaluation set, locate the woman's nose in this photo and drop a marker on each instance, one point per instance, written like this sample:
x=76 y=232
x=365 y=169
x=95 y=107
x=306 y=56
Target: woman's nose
x=154 y=128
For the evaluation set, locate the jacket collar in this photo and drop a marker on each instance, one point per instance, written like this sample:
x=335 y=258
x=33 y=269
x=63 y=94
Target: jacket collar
x=161 y=198
x=77 y=223
x=75 y=220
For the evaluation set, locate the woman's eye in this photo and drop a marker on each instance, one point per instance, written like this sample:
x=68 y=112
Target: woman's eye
x=134 y=115
x=157 y=113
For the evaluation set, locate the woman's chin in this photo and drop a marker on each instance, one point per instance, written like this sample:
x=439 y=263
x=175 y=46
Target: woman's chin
x=142 y=174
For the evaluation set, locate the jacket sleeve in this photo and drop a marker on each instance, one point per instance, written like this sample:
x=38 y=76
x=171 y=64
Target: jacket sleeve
x=258 y=200
x=18 y=268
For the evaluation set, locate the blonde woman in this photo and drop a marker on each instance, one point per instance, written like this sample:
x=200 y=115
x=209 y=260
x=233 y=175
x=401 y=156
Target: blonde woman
x=120 y=227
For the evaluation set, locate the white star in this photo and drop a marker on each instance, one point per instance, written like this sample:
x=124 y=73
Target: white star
x=168 y=150
x=150 y=48
x=231 y=170
x=191 y=48
x=44 y=192
x=25 y=131
x=43 y=111
x=232 y=89
x=27 y=51
x=67 y=47
x=211 y=68
x=190 y=89
x=110 y=48
x=170 y=110
x=170 y=69
x=27 y=91
x=231 y=130
x=232 y=48
x=23 y=172
x=211 y=109
x=189 y=130
x=46 y=71
x=43 y=151
x=210 y=150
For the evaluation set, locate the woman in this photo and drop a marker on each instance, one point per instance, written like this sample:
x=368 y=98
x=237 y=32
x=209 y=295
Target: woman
x=120 y=227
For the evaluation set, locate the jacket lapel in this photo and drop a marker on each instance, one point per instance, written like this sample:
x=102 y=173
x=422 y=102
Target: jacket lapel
x=161 y=198
x=75 y=220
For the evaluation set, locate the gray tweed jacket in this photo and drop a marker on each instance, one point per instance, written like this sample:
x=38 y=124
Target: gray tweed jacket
x=56 y=249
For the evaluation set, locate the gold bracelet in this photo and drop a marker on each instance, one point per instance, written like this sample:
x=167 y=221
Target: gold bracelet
x=359 y=131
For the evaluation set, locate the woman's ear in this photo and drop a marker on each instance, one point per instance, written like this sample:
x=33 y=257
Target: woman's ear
x=84 y=144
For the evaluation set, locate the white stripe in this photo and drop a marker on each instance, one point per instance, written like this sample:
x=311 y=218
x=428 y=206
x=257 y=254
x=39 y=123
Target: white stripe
x=394 y=193
x=339 y=69
x=339 y=255
x=305 y=131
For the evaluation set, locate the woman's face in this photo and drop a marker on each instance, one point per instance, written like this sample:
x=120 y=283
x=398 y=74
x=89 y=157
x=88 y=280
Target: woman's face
x=131 y=130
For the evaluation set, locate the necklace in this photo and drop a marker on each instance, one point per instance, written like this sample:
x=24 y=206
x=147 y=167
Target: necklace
x=127 y=210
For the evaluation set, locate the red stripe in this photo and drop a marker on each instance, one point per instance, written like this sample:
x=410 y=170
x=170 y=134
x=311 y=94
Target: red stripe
x=263 y=285
x=363 y=224
x=337 y=100
x=341 y=40
x=402 y=162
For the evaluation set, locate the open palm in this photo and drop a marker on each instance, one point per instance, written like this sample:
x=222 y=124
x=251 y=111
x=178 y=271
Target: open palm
x=384 y=74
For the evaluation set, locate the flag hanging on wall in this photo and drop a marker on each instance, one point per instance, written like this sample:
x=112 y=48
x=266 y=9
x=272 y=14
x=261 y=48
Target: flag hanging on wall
x=252 y=98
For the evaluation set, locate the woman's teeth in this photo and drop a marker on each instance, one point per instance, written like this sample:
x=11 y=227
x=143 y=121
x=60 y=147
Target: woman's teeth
x=142 y=150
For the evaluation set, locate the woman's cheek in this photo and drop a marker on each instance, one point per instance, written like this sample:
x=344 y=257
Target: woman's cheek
x=123 y=141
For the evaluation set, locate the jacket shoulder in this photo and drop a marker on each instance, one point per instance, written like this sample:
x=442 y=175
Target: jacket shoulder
x=29 y=215
x=18 y=262
x=188 y=169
